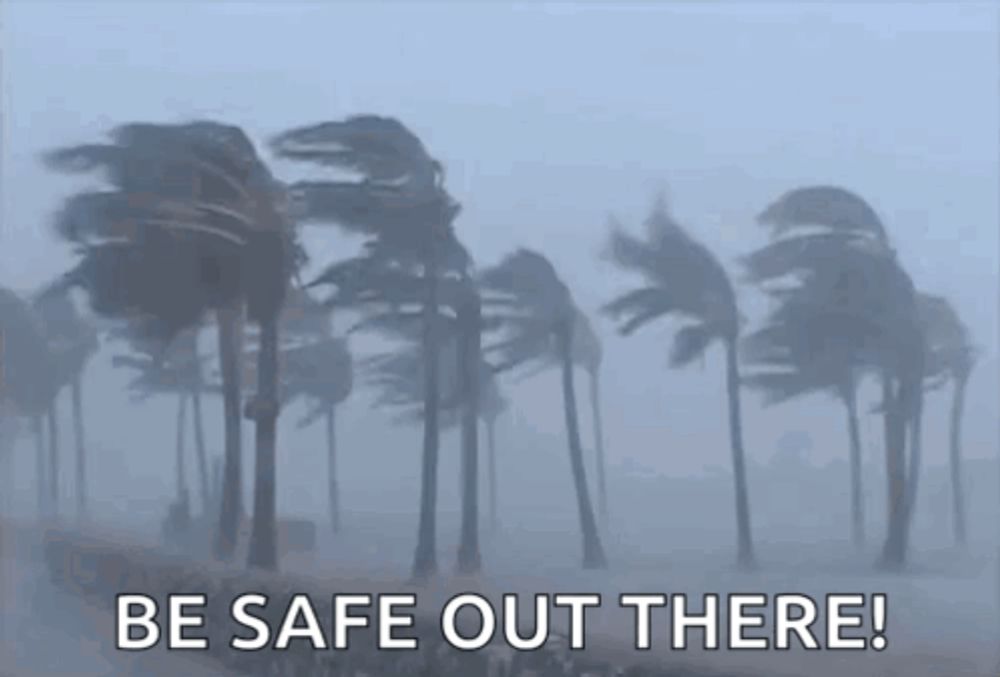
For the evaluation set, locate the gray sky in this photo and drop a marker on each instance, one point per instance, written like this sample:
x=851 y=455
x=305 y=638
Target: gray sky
x=548 y=117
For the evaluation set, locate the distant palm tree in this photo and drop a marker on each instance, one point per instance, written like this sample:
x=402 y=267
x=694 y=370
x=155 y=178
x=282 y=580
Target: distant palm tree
x=177 y=372
x=192 y=207
x=537 y=315
x=681 y=277
x=29 y=383
x=836 y=250
x=492 y=404
x=401 y=205
x=76 y=340
x=951 y=357
x=322 y=373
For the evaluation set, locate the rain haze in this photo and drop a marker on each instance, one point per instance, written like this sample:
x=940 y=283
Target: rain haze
x=549 y=120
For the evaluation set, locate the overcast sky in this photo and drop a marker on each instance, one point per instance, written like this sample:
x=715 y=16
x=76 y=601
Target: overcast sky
x=548 y=117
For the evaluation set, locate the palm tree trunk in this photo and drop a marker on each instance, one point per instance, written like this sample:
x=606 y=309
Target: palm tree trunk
x=230 y=321
x=425 y=556
x=200 y=451
x=955 y=457
x=595 y=408
x=469 y=557
x=264 y=533
x=37 y=430
x=331 y=446
x=593 y=552
x=492 y=472
x=53 y=459
x=76 y=391
x=895 y=448
x=182 y=492
x=913 y=477
x=857 y=497
x=745 y=553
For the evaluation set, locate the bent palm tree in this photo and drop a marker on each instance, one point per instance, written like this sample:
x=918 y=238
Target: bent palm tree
x=322 y=373
x=492 y=404
x=192 y=209
x=76 y=340
x=537 y=315
x=29 y=383
x=461 y=378
x=834 y=247
x=951 y=357
x=802 y=349
x=682 y=277
x=402 y=207
x=176 y=372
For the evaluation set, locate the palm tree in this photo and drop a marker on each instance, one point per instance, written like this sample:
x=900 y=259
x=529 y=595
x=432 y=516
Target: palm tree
x=802 y=349
x=492 y=404
x=681 y=277
x=464 y=381
x=192 y=207
x=321 y=372
x=29 y=383
x=950 y=357
x=176 y=372
x=76 y=340
x=537 y=316
x=401 y=206
x=836 y=250
x=589 y=355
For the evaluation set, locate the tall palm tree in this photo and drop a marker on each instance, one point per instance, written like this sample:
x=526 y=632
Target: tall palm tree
x=403 y=209
x=802 y=349
x=537 y=315
x=836 y=250
x=462 y=376
x=192 y=207
x=951 y=357
x=681 y=277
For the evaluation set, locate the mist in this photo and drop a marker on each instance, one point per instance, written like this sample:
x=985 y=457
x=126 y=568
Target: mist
x=549 y=119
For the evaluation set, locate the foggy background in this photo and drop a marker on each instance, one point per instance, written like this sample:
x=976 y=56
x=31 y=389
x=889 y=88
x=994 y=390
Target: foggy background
x=547 y=118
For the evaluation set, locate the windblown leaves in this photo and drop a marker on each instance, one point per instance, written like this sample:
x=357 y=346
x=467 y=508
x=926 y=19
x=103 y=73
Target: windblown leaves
x=530 y=304
x=830 y=207
x=680 y=277
x=194 y=221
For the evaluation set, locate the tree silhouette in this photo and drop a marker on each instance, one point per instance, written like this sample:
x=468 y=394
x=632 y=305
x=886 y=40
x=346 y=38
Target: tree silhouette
x=176 y=371
x=836 y=251
x=802 y=348
x=28 y=380
x=537 y=315
x=950 y=357
x=72 y=337
x=194 y=223
x=318 y=368
x=401 y=206
x=462 y=376
x=682 y=278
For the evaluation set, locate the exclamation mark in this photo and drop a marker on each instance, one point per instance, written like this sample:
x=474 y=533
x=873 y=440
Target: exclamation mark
x=879 y=641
